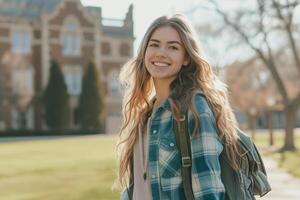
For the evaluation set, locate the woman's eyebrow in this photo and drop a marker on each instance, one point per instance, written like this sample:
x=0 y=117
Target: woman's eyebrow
x=169 y=42
x=154 y=40
x=174 y=42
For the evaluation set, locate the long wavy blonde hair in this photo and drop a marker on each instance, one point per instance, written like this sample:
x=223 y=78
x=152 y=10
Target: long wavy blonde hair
x=138 y=90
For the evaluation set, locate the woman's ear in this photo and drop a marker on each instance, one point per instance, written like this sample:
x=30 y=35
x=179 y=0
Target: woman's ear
x=186 y=61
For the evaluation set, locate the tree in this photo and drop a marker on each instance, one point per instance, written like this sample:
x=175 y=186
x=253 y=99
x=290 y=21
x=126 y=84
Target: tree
x=90 y=102
x=16 y=85
x=253 y=89
x=258 y=25
x=56 y=99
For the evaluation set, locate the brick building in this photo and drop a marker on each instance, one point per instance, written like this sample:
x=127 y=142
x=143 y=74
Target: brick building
x=254 y=94
x=32 y=32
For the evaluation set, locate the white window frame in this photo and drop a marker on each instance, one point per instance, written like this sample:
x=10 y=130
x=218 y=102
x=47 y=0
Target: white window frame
x=15 y=117
x=21 y=40
x=71 y=37
x=73 y=79
x=113 y=85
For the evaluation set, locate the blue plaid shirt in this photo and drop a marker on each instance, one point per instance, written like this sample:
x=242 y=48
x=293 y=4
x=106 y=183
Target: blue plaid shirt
x=164 y=166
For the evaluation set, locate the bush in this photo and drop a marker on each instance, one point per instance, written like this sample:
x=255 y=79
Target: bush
x=56 y=99
x=90 y=102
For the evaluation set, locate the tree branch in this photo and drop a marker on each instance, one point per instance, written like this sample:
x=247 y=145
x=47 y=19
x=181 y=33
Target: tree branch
x=288 y=29
x=268 y=61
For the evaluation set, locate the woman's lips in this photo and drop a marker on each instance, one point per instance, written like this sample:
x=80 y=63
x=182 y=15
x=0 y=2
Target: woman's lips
x=160 y=64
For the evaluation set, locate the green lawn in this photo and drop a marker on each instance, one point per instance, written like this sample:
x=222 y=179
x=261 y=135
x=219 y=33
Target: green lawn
x=290 y=161
x=80 y=168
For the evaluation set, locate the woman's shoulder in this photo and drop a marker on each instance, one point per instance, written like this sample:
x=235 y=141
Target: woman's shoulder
x=200 y=103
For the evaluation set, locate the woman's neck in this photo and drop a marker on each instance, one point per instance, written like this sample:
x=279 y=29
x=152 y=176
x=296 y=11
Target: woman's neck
x=162 y=89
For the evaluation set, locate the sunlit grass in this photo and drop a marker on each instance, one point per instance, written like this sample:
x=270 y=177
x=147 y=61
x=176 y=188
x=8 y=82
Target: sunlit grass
x=82 y=168
x=290 y=161
x=261 y=138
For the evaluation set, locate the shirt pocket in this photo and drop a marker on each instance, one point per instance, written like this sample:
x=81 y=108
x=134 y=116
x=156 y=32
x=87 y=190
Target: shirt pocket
x=169 y=161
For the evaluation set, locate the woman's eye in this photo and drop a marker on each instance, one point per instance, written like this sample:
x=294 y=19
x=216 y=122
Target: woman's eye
x=174 y=47
x=153 y=45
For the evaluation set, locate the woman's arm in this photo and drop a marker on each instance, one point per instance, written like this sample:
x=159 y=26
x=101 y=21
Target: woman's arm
x=205 y=150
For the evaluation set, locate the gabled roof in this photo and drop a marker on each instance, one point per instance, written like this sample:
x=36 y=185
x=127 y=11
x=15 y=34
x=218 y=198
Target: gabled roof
x=118 y=31
x=32 y=9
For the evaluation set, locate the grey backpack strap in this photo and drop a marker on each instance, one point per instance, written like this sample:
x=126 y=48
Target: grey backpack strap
x=183 y=144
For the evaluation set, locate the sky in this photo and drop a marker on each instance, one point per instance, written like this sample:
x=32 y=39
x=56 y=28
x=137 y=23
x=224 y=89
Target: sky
x=144 y=12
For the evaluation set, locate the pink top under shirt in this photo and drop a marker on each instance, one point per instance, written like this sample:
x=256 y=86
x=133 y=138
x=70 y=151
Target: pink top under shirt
x=141 y=190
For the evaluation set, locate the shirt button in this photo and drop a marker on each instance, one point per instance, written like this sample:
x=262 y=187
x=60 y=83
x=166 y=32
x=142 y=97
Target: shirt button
x=153 y=176
x=154 y=131
x=171 y=144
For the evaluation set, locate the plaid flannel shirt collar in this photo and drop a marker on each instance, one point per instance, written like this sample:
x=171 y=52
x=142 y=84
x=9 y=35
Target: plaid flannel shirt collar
x=166 y=104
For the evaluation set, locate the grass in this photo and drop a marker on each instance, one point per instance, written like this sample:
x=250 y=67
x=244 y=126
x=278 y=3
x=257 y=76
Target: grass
x=289 y=161
x=81 y=168
x=84 y=168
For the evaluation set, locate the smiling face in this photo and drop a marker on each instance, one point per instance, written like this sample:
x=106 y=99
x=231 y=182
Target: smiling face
x=165 y=54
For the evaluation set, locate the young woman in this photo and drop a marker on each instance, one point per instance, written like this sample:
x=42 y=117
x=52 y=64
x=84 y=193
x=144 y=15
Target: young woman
x=169 y=66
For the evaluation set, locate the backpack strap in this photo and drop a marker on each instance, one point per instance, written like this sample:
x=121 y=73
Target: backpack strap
x=183 y=142
x=184 y=146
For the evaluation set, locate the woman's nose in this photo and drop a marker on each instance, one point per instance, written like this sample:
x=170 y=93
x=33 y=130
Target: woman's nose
x=161 y=51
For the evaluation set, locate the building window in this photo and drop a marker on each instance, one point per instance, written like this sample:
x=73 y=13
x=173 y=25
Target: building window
x=21 y=41
x=125 y=50
x=105 y=48
x=71 y=39
x=113 y=85
x=73 y=79
x=22 y=82
x=22 y=119
x=261 y=79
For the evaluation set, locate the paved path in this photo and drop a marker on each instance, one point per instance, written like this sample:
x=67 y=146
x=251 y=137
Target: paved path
x=284 y=186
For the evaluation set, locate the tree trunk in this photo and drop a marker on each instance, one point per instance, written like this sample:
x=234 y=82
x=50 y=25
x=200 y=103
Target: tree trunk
x=290 y=117
x=251 y=125
x=270 y=124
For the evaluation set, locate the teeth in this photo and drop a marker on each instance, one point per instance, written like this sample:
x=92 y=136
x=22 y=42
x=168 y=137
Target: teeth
x=161 y=64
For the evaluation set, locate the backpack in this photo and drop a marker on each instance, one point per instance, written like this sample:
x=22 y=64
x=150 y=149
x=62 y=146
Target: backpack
x=250 y=180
